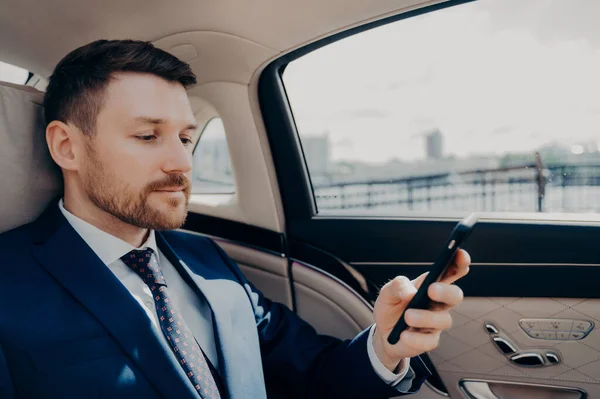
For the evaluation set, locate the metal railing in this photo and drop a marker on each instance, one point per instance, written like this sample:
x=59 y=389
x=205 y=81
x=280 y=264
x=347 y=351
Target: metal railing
x=527 y=188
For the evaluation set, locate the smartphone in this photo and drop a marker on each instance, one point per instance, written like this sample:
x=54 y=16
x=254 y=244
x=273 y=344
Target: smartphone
x=421 y=300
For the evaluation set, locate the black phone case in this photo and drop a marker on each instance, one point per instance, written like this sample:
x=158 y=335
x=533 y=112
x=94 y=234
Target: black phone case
x=421 y=300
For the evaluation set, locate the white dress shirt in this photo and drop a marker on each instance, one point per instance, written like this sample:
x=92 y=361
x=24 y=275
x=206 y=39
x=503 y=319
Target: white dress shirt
x=193 y=308
x=110 y=249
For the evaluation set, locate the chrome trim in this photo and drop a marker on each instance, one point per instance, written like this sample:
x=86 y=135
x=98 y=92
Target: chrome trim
x=543 y=218
x=534 y=264
x=507 y=343
x=527 y=384
x=492 y=327
x=472 y=264
x=391 y=263
x=525 y=355
x=554 y=356
x=477 y=390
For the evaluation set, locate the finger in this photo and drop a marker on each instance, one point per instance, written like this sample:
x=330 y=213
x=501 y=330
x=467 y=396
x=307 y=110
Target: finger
x=448 y=294
x=422 y=330
x=420 y=318
x=459 y=267
x=437 y=306
x=420 y=341
x=425 y=330
x=400 y=289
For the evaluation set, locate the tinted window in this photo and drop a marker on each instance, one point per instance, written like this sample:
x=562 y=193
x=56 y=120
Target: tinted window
x=491 y=105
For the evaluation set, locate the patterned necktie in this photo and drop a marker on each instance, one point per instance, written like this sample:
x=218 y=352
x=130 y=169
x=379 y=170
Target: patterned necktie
x=180 y=338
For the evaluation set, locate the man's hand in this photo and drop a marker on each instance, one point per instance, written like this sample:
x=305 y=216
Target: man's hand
x=425 y=325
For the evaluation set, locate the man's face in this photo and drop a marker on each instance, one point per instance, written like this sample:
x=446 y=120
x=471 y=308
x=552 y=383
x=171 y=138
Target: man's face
x=140 y=158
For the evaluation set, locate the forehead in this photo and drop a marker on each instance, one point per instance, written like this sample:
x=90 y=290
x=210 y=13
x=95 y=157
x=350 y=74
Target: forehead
x=130 y=95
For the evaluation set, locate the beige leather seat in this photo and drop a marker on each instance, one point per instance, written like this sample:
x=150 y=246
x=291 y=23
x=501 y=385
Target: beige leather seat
x=29 y=180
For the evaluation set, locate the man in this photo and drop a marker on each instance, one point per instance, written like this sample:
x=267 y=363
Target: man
x=98 y=303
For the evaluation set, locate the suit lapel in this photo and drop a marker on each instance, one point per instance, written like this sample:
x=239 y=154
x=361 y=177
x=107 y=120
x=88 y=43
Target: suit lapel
x=235 y=327
x=66 y=256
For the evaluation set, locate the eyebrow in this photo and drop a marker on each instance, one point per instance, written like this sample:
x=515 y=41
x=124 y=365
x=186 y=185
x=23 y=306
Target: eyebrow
x=159 y=121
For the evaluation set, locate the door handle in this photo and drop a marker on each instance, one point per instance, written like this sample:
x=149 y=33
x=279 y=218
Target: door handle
x=488 y=389
x=477 y=390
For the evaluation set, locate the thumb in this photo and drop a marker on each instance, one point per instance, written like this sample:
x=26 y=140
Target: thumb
x=419 y=280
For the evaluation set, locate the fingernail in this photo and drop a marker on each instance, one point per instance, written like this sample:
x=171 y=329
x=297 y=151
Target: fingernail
x=437 y=289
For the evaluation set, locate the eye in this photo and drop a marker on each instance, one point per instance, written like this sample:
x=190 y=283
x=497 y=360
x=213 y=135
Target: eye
x=148 y=137
x=186 y=141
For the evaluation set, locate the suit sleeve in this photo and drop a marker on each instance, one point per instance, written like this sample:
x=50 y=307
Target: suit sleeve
x=6 y=385
x=300 y=363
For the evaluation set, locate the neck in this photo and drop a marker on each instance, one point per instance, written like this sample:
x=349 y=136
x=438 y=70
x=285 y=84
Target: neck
x=87 y=211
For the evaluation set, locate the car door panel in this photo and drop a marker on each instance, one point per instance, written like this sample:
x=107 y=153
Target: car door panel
x=467 y=350
x=328 y=304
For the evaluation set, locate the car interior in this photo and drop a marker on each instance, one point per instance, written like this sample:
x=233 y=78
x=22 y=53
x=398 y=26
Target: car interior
x=528 y=327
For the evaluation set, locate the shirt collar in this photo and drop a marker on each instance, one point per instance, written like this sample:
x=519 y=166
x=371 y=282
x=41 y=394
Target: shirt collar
x=106 y=246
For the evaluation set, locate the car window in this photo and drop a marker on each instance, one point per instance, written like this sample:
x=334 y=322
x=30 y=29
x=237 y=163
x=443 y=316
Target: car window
x=13 y=74
x=212 y=173
x=491 y=105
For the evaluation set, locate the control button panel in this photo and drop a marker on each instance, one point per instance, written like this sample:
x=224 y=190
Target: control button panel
x=532 y=357
x=576 y=335
x=557 y=329
x=581 y=326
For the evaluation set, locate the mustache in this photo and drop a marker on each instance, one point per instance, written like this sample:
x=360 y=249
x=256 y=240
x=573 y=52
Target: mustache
x=172 y=180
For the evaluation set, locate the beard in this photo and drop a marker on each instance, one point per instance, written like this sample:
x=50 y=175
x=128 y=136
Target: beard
x=109 y=193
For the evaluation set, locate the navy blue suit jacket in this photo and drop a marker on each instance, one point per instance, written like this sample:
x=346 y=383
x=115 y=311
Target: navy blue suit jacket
x=70 y=329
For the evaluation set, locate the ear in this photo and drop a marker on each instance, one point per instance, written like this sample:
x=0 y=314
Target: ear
x=65 y=145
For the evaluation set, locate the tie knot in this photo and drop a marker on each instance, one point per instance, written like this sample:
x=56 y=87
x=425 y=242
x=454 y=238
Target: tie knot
x=143 y=262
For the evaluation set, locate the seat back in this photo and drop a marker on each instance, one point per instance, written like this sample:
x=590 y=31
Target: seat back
x=29 y=179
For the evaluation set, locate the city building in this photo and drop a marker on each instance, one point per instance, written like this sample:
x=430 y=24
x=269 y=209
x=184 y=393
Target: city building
x=434 y=145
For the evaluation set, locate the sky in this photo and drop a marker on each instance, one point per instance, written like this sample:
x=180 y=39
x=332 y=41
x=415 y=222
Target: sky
x=494 y=76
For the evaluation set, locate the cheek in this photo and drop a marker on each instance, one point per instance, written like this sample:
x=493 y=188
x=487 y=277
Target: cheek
x=129 y=167
x=124 y=174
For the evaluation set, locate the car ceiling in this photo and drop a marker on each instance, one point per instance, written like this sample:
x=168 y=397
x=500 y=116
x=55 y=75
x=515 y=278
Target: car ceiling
x=223 y=40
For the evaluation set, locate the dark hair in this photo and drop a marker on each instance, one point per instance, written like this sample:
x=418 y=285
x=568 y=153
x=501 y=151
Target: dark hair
x=76 y=89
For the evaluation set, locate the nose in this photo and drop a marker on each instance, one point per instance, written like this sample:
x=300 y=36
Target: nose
x=178 y=157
